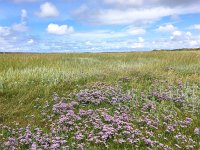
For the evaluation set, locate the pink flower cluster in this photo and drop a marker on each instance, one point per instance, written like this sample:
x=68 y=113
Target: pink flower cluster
x=91 y=117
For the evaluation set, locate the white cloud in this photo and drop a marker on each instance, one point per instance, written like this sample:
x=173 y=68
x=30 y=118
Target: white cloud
x=137 y=45
x=4 y=31
x=136 y=31
x=15 y=43
x=171 y=37
x=171 y=3
x=188 y=34
x=141 y=39
x=148 y=12
x=166 y=28
x=19 y=27
x=181 y=39
x=22 y=26
x=196 y=27
x=24 y=14
x=114 y=16
x=124 y=2
x=193 y=43
x=10 y=37
x=31 y=41
x=83 y=8
x=47 y=10
x=88 y=43
x=99 y=34
x=177 y=33
x=59 y=30
x=133 y=44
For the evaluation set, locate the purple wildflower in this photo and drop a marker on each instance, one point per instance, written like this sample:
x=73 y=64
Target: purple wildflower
x=196 y=131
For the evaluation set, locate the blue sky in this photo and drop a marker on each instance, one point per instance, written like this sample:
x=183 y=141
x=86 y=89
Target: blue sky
x=98 y=25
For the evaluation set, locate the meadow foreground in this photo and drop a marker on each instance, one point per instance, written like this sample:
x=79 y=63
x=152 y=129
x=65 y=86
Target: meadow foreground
x=142 y=100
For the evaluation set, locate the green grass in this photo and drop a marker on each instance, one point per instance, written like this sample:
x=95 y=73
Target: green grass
x=27 y=81
x=26 y=77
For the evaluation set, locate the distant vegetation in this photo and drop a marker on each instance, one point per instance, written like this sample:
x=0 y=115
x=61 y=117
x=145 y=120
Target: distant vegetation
x=180 y=49
x=90 y=101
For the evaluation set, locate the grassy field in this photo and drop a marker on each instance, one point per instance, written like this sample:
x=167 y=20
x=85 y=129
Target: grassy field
x=160 y=85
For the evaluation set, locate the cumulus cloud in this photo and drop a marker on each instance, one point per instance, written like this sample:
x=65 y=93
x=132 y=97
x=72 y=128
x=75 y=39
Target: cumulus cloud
x=141 y=39
x=177 y=33
x=59 y=29
x=11 y=38
x=195 y=26
x=166 y=28
x=22 y=26
x=15 y=43
x=193 y=43
x=181 y=36
x=31 y=41
x=47 y=10
x=16 y=27
x=189 y=34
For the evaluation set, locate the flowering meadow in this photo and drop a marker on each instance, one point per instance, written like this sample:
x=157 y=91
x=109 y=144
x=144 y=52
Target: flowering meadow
x=131 y=111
